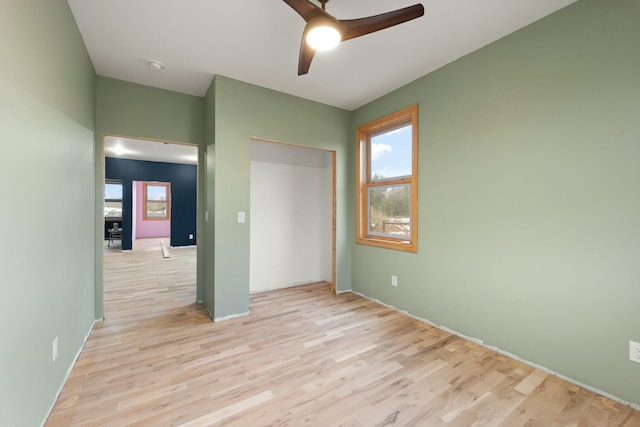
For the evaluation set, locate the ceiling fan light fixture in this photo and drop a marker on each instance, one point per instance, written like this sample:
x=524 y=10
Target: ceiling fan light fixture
x=323 y=35
x=323 y=31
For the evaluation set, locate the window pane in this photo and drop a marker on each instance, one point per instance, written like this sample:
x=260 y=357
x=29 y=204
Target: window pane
x=157 y=197
x=387 y=196
x=156 y=192
x=113 y=199
x=156 y=209
x=113 y=209
x=113 y=191
x=390 y=210
x=391 y=153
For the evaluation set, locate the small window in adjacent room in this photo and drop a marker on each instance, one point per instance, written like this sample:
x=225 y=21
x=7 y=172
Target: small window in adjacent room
x=113 y=198
x=157 y=200
x=387 y=174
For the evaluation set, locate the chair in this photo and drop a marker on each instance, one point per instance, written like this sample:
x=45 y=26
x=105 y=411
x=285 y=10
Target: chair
x=115 y=233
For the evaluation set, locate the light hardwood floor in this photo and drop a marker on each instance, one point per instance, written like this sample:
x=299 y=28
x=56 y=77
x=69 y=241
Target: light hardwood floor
x=302 y=357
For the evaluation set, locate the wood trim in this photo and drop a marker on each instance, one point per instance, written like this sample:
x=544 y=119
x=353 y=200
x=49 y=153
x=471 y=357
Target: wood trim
x=363 y=179
x=334 y=274
x=167 y=186
x=141 y=138
x=100 y=224
x=275 y=141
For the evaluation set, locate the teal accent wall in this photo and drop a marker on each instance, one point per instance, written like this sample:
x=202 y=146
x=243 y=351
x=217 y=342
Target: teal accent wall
x=133 y=110
x=47 y=123
x=243 y=111
x=529 y=154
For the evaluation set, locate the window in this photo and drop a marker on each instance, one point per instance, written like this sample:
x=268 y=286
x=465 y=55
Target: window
x=387 y=174
x=157 y=200
x=113 y=198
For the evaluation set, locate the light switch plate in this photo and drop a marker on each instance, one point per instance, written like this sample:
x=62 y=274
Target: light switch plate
x=54 y=349
x=634 y=351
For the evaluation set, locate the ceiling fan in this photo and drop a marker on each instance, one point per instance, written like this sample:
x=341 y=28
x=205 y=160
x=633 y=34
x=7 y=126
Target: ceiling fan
x=324 y=32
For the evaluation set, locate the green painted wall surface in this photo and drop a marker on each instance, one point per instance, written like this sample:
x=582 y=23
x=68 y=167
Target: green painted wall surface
x=47 y=118
x=208 y=246
x=529 y=208
x=130 y=109
x=243 y=111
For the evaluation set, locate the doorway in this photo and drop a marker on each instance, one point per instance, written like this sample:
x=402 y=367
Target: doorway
x=151 y=214
x=158 y=204
x=292 y=227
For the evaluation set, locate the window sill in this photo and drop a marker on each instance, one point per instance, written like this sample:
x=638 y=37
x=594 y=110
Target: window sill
x=405 y=245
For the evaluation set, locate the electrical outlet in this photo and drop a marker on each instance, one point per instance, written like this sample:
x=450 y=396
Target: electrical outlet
x=634 y=351
x=54 y=349
x=240 y=217
x=394 y=281
x=190 y=236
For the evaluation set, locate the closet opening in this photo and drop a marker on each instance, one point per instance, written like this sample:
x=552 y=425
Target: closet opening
x=292 y=211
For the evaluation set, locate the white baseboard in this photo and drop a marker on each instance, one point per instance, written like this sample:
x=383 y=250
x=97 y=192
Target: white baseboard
x=293 y=285
x=66 y=376
x=209 y=312
x=504 y=353
x=231 y=316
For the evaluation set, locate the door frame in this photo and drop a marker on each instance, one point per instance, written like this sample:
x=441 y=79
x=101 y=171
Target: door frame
x=100 y=222
x=334 y=276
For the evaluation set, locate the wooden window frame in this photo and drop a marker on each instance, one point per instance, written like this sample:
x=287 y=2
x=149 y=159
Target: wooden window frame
x=364 y=133
x=167 y=186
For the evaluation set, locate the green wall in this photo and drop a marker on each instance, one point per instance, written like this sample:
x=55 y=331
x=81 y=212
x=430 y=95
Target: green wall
x=528 y=195
x=47 y=118
x=529 y=214
x=133 y=110
x=243 y=111
x=208 y=242
x=130 y=109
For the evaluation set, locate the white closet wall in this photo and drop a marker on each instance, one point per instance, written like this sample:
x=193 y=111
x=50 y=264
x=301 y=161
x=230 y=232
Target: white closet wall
x=290 y=217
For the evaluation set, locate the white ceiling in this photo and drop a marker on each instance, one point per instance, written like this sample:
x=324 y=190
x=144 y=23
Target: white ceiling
x=155 y=151
x=257 y=41
x=265 y=152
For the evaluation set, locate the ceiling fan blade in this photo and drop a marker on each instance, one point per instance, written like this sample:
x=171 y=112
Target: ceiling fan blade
x=305 y=8
x=352 y=28
x=306 y=55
